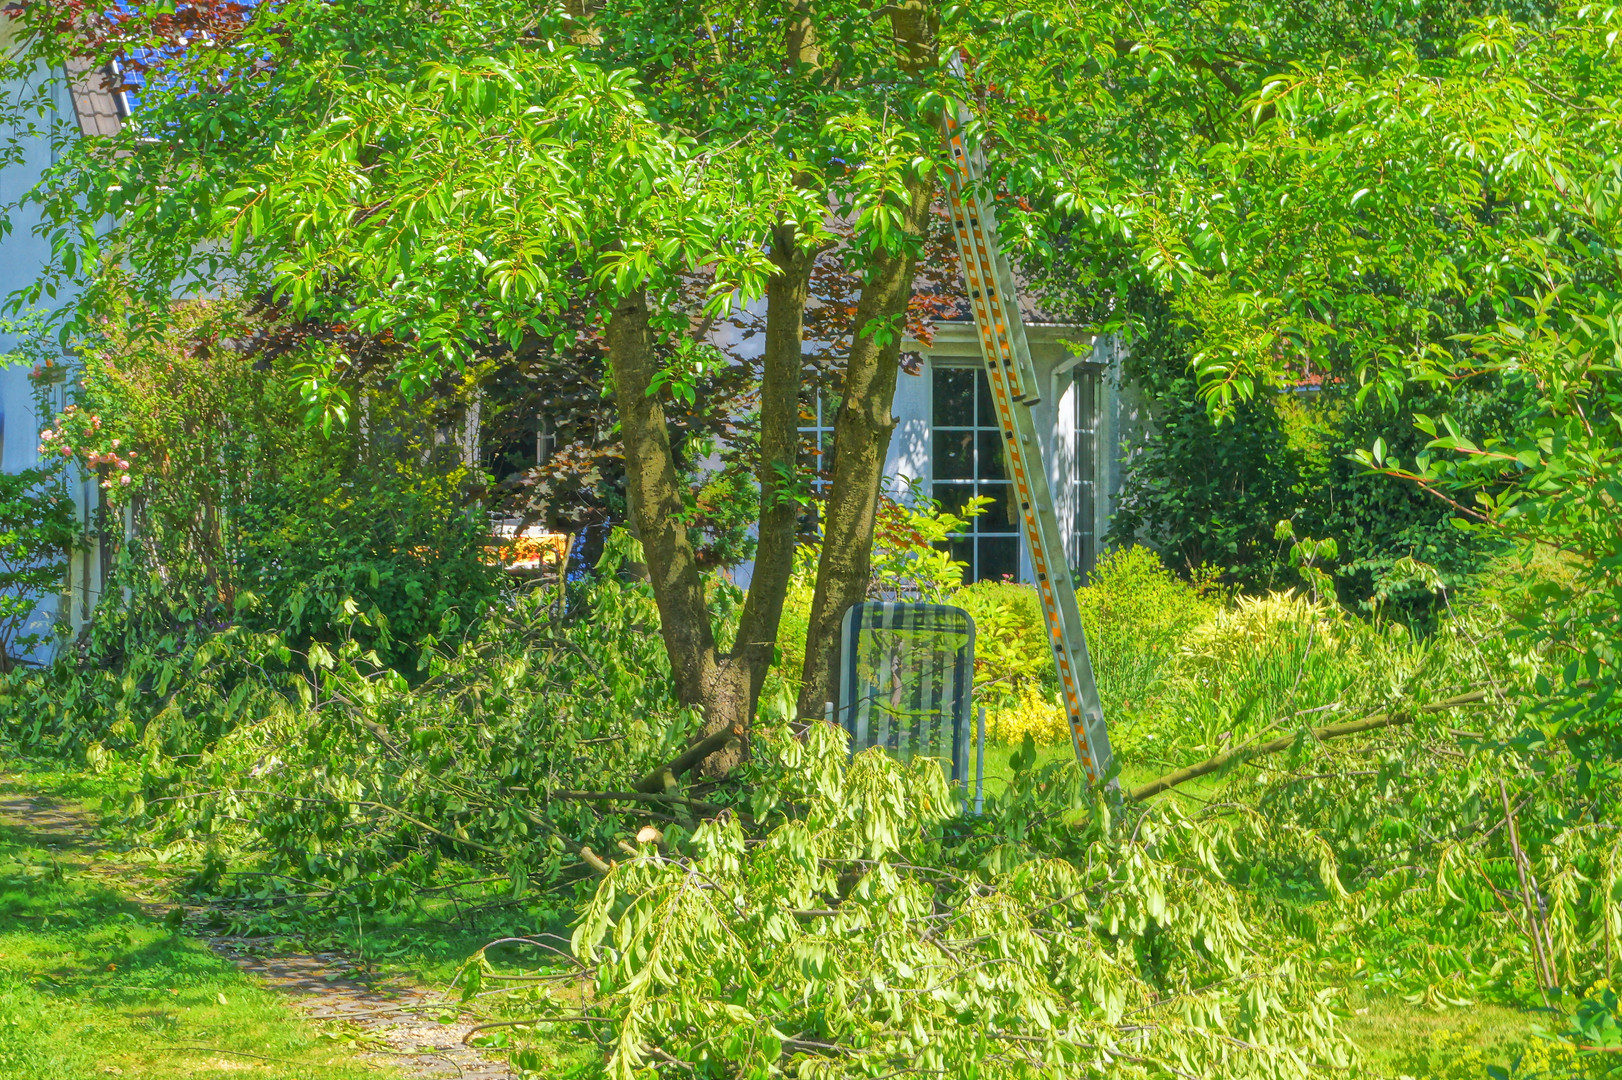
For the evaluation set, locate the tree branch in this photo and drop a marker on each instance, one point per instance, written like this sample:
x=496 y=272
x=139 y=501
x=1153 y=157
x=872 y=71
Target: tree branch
x=1284 y=742
x=654 y=782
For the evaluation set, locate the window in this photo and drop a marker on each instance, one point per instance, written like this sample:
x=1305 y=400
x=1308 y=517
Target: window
x=966 y=455
x=545 y=440
x=1087 y=396
x=817 y=438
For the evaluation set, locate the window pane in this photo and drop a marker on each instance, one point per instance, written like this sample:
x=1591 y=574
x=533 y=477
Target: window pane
x=1086 y=396
x=954 y=397
x=1086 y=463
x=961 y=550
x=991 y=465
x=1002 y=516
x=952 y=496
x=999 y=558
x=986 y=412
x=954 y=455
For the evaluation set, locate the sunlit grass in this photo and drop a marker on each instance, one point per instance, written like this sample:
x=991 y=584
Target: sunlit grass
x=91 y=987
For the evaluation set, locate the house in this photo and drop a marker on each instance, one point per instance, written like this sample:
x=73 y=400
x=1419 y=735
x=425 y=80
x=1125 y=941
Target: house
x=77 y=104
x=947 y=442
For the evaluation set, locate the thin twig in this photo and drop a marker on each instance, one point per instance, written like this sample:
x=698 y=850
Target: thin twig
x=1533 y=924
x=533 y=1020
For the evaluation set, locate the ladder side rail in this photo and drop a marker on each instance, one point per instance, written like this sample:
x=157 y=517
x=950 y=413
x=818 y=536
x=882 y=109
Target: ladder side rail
x=1011 y=375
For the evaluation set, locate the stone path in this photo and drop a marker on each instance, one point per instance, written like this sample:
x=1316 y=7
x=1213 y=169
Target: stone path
x=398 y=1024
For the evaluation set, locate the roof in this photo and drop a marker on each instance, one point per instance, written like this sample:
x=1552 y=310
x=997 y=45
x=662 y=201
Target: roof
x=95 y=103
x=954 y=336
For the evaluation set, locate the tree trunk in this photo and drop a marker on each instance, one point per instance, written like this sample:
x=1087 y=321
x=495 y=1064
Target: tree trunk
x=862 y=430
x=654 y=493
x=864 y=423
x=778 y=470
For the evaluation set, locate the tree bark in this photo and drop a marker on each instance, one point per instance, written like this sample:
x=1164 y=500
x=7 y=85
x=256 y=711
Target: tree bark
x=800 y=39
x=726 y=687
x=862 y=430
x=654 y=493
x=581 y=14
x=778 y=470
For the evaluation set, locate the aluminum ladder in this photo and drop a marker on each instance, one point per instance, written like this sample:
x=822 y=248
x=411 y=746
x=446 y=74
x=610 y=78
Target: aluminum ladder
x=1012 y=377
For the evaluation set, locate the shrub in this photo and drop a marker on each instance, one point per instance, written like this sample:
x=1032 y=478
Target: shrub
x=37 y=530
x=1033 y=712
x=1457 y=1055
x=1205 y=492
x=246 y=513
x=1011 y=655
x=1136 y=612
x=399 y=550
x=1256 y=624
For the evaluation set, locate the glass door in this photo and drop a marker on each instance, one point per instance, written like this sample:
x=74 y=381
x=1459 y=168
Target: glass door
x=1087 y=395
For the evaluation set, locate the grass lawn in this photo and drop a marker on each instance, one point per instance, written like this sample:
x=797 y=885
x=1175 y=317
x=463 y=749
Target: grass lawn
x=426 y=944
x=1399 y=1039
x=93 y=987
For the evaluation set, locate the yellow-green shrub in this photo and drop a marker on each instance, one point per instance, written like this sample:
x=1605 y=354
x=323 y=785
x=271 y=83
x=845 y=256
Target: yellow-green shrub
x=1032 y=711
x=1255 y=624
x=1459 y=1055
x=1136 y=614
x=1010 y=642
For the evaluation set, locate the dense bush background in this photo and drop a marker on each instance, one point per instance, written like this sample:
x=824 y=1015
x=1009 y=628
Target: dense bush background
x=1207 y=493
x=242 y=511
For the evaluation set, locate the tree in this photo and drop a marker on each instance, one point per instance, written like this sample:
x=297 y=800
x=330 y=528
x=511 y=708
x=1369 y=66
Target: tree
x=482 y=178
x=489 y=171
x=1440 y=213
x=851 y=99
